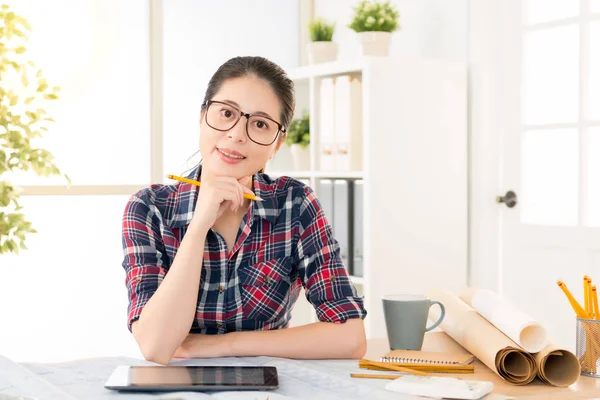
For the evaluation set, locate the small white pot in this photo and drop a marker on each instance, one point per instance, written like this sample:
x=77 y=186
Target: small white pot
x=320 y=52
x=300 y=157
x=375 y=43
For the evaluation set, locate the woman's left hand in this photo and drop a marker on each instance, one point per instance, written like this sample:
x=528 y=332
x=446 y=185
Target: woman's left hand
x=204 y=346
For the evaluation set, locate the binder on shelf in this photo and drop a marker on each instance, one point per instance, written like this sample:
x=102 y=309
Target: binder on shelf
x=325 y=196
x=348 y=124
x=357 y=228
x=341 y=220
x=326 y=125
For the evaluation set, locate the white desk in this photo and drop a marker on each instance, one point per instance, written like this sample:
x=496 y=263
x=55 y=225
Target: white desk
x=84 y=379
x=307 y=379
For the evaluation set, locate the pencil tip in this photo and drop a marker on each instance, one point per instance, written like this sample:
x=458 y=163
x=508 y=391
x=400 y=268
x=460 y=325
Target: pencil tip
x=258 y=198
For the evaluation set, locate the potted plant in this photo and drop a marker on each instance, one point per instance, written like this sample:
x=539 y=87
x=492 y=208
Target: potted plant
x=321 y=48
x=374 y=23
x=23 y=93
x=298 y=138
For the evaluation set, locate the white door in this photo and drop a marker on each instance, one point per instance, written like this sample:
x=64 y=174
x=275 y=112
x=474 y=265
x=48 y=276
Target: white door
x=542 y=91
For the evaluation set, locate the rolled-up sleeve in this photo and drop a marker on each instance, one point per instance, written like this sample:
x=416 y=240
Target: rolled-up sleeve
x=324 y=277
x=142 y=250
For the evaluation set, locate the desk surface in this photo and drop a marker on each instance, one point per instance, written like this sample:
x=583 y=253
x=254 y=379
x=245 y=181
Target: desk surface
x=584 y=388
x=299 y=379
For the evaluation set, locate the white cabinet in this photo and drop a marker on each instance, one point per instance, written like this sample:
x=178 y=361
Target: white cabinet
x=414 y=160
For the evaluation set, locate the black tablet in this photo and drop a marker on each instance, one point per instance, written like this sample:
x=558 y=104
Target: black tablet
x=197 y=378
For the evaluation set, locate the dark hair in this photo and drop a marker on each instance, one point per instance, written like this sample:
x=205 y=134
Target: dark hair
x=262 y=68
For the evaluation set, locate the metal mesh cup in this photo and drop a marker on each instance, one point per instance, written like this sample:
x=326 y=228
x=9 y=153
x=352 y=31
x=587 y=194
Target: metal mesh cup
x=588 y=346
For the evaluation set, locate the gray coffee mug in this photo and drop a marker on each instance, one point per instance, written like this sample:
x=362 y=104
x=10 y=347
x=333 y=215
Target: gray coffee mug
x=406 y=320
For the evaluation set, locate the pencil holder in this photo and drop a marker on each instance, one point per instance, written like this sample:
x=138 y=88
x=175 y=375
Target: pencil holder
x=588 y=346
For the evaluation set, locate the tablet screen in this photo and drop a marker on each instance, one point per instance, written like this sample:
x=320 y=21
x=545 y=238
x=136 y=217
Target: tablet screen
x=197 y=376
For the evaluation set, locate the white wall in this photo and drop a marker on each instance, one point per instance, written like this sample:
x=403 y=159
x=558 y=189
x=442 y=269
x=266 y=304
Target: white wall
x=199 y=37
x=428 y=28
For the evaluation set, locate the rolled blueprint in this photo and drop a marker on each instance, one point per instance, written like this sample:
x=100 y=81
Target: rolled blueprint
x=520 y=327
x=493 y=348
x=556 y=366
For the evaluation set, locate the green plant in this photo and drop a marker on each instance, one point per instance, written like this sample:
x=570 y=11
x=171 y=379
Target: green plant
x=375 y=16
x=22 y=119
x=320 y=30
x=299 y=131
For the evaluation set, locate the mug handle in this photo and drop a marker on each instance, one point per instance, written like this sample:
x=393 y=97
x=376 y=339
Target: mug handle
x=439 y=321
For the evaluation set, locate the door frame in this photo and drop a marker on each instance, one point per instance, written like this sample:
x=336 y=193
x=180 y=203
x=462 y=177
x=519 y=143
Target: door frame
x=484 y=40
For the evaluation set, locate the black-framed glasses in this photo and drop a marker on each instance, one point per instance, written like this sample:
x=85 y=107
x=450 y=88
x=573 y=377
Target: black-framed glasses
x=259 y=128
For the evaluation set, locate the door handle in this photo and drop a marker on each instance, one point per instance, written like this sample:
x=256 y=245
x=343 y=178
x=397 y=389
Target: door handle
x=510 y=199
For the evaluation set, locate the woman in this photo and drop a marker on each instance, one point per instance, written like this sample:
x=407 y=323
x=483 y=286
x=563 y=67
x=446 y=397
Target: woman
x=211 y=273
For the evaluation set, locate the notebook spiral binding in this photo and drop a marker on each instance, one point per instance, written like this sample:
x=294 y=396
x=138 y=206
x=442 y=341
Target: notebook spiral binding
x=416 y=361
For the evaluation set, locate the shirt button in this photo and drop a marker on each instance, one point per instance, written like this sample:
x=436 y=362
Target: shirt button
x=138 y=279
x=221 y=289
x=219 y=325
x=331 y=279
x=267 y=279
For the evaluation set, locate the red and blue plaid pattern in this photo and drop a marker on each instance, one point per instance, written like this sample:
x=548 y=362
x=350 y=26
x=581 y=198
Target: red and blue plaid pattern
x=283 y=243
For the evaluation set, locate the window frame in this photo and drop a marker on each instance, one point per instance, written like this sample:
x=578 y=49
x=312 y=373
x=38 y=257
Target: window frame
x=584 y=123
x=156 y=126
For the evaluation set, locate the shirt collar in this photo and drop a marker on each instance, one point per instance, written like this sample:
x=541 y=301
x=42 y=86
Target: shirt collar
x=187 y=195
x=185 y=200
x=264 y=188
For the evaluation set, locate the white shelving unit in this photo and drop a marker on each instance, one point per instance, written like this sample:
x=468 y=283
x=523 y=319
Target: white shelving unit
x=414 y=172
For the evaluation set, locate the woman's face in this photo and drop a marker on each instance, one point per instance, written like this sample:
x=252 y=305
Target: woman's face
x=228 y=151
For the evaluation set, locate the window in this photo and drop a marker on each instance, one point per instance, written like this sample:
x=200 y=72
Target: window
x=121 y=77
x=561 y=113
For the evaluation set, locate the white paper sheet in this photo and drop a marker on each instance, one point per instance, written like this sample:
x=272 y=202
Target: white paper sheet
x=511 y=321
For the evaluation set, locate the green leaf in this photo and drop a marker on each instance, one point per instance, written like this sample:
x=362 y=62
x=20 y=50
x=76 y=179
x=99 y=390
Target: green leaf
x=321 y=30
x=299 y=131
x=375 y=16
x=24 y=22
x=22 y=114
x=20 y=33
x=11 y=245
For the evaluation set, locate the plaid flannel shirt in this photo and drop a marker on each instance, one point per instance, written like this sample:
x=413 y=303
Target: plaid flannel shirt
x=284 y=243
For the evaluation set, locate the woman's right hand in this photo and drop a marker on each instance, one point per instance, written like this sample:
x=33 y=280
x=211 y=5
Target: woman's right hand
x=215 y=195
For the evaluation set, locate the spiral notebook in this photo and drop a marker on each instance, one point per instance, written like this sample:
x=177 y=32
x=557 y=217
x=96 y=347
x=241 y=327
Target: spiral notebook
x=425 y=357
x=438 y=349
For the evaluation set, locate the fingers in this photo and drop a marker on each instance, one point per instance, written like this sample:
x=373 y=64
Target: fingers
x=239 y=184
x=230 y=189
x=228 y=192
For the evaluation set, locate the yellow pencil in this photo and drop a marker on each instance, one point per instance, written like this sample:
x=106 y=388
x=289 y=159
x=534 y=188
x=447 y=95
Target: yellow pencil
x=581 y=313
x=595 y=301
x=364 y=363
x=590 y=298
x=197 y=183
x=595 y=353
x=375 y=376
x=586 y=295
